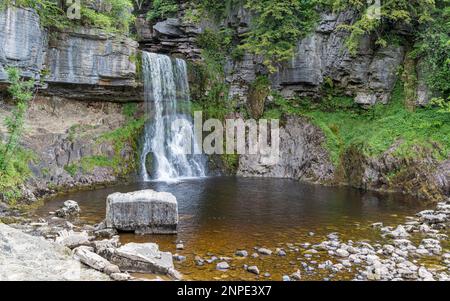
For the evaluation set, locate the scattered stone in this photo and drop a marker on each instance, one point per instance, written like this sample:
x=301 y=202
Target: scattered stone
x=255 y=255
x=399 y=232
x=264 y=251
x=89 y=258
x=179 y=258
x=297 y=275
x=72 y=239
x=286 y=278
x=70 y=208
x=253 y=269
x=222 y=266
x=281 y=253
x=120 y=276
x=105 y=233
x=377 y=225
x=241 y=253
x=342 y=253
x=180 y=247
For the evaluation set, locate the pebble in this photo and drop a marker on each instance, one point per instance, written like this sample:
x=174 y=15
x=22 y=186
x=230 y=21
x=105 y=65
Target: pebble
x=180 y=247
x=222 y=265
x=342 y=253
x=241 y=253
x=297 y=275
x=253 y=269
x=264 y=251
x=286 y=278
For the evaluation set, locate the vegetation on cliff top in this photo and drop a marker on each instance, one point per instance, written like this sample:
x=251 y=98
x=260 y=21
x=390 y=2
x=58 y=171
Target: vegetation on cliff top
x=111 y=16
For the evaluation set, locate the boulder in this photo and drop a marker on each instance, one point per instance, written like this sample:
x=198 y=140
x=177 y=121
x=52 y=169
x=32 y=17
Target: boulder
x=144 y=212
x=70 y=208
x=89 y=258
x=72 y=239
x=142 y=258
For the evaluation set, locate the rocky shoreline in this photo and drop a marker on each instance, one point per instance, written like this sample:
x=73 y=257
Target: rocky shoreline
x=401 y=253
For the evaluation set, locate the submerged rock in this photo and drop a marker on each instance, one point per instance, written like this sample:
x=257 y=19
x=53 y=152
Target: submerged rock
x=144 y=212
x=222 y=265
x=253 y=269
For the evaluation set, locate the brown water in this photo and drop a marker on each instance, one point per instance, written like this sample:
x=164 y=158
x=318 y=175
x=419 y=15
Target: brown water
x=221 y=215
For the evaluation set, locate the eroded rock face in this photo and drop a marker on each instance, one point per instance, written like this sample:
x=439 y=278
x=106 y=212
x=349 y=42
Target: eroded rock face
x=145 y=211
x=323 y=56
x=22 y=42
x=89 y=56
x=301 y=155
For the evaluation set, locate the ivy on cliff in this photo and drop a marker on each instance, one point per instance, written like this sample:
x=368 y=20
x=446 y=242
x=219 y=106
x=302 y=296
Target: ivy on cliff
x=277 y=27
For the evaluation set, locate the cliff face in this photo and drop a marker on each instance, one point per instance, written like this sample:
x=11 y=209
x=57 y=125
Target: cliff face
x=22 y=42
x=81 y=63
x=87 y=68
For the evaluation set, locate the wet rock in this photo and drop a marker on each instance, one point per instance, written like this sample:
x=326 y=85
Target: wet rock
x=296 y=276
x=399 y=232
x=425 y=274
x=70 y=208
x=264 y=251
x=105 y=233
x=342 y=253
x=120 y=276
x=286 y=278
x=281 y=252
x=377 y=225
x=253 y=269
x=89 y=258
x=141 y=258
x=222 y=266
x=333 y=236
x=199 y=261
x=431 y=245
x=179 y=258
x=430 y=217
x=72 y=239
x=145 y=212
x=241 y=253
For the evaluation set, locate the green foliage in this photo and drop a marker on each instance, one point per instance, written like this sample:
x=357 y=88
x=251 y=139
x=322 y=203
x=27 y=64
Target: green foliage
x=393 y=13
x=433 y=47
x=277 y=27
x=126 y=135
x=14 y=160
x=129 y=109
x=374 y=130
x=116 y=18
x=162 y=9
x=21 y=92
x=212 y=95
x=72 y=169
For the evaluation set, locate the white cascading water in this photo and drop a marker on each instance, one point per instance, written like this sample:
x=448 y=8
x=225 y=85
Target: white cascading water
x=166 y=100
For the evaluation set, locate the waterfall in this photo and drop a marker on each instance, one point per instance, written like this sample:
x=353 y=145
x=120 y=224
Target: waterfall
x=167 y=100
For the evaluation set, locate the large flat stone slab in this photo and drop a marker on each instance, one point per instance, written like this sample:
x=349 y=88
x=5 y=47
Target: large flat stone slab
x=142 y=212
